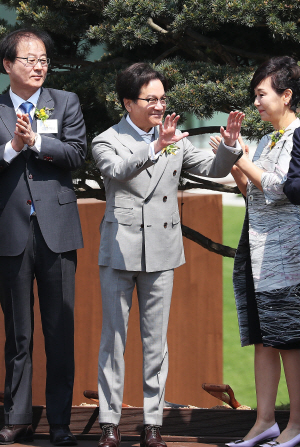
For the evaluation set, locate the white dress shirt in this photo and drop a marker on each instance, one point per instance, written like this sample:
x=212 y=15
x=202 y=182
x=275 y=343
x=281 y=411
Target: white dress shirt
x=9 y=152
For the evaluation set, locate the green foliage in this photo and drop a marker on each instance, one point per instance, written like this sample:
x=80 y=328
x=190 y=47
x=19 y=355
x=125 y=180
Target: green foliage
x=207 y=49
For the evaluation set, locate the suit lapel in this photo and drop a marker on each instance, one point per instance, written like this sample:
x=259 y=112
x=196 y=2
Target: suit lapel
x=129 y=137
x=7 y=113
x=133 y=142
x=159 y=168
x=45 y=100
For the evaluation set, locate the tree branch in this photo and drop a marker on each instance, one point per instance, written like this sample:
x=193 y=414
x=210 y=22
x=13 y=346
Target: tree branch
x=202 y=130
x=207 y=243
x=209 y=184
x=156 y=27
x=214 y=44
x=165 y=54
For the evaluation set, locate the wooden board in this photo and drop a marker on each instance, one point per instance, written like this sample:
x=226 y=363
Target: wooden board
x=183 y=424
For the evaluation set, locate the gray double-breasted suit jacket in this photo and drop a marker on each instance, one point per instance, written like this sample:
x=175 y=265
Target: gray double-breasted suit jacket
x=142 y=216
x=43 y=177
x=141 y=244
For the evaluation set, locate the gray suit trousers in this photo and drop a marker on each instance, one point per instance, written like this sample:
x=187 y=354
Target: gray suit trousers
x=154 y=292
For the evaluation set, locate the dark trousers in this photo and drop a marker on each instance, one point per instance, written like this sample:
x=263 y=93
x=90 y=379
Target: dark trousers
x=55 y=276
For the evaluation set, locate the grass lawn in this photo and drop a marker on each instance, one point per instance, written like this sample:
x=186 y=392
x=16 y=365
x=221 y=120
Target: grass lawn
x=238 y=369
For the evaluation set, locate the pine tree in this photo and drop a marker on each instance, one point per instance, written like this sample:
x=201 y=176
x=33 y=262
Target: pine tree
x=208 y=49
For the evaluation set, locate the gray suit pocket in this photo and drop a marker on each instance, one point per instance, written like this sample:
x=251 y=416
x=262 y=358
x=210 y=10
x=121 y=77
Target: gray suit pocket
x=124 y=202
x=175 y=218
x=118 y=216
x=66 y=197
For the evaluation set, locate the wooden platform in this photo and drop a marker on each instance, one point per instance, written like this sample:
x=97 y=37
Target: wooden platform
x=41 y=442
x=186 y=426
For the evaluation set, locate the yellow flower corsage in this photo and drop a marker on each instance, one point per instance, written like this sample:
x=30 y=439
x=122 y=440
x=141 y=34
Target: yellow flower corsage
x=275 y=137
x=170 y=149
x=43 y=114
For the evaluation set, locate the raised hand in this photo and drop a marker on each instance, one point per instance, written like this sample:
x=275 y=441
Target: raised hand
x=167 y=133
x=233 y=128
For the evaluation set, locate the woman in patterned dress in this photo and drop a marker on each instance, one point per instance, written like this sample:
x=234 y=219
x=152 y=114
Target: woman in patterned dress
x=267 y=264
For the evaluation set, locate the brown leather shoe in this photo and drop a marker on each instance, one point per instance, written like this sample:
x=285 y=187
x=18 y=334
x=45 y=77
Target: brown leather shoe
x=16 y=433
x=111 y=436
x=150 y=437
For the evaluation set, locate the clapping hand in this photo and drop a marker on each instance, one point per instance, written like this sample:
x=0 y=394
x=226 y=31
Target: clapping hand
x=215 y=141
x=167 y=133
x=23 y=133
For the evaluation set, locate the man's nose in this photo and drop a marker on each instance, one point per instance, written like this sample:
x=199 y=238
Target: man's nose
x=159 y=105
x=38 y=65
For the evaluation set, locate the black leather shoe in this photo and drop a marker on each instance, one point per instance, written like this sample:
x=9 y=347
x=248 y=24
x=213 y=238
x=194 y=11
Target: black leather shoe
x=111 y=436
x=16 y=433
x=61 y=435
x=150 y=437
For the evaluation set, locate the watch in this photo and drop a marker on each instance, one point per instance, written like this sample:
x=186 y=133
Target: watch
x=240 y=154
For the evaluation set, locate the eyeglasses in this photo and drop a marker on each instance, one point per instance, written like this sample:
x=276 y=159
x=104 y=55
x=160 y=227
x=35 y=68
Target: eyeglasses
x=154 y=101
x=32 y=61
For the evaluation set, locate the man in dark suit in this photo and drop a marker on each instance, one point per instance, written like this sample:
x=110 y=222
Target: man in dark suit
x=39 y=232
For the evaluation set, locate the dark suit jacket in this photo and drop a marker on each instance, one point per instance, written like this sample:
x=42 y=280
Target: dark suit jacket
x=292 y=184
x=44 y=177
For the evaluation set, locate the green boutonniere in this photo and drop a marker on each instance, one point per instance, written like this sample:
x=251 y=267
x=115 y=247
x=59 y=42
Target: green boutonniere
x=170 y=149
x=43 y=114
x=275 y=137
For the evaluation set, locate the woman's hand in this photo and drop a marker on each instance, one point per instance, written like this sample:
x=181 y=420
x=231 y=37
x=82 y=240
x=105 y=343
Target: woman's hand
x=215 y=142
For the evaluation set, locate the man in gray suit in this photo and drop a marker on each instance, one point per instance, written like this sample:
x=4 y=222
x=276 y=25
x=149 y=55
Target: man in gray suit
x=39 y=232
x=141 y=240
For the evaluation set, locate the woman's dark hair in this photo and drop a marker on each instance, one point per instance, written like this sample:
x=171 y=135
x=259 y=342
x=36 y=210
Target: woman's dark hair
x=9 y=44
x=131 y=80
x=284 y=73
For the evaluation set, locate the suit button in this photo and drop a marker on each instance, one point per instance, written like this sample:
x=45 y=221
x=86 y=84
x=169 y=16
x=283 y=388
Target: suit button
x=165 y=225
x=28 y=202
x=142 y=225
x=165 y=198
x=174 y=173
x=30 y=176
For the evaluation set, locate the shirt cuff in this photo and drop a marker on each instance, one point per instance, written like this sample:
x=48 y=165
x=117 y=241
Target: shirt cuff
x=37 y=143
x=152 y=155
x=10 y=153
x=234 y=149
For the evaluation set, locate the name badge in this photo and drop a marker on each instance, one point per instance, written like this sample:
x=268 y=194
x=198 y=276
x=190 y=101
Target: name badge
x=48 y=126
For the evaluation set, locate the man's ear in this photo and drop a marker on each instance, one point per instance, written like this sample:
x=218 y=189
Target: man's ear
x=127 y=104
x=7 y=65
